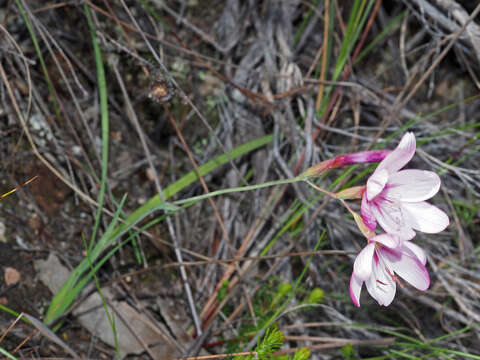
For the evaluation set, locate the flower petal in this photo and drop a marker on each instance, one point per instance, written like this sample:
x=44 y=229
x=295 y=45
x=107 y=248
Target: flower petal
x=376 y=183
x=416 y=251
x=409 y=269
x=412 y=185
x=380 y=285
x=355 y=289
x=402 y=154
x=367 y=214
x=389 y=240
x=391 y=218
x=362 y=268
x=425 y=217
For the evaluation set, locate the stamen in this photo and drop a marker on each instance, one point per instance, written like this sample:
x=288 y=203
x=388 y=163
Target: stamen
x=394 y=277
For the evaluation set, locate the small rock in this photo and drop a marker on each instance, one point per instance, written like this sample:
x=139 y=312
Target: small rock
x=12 y=276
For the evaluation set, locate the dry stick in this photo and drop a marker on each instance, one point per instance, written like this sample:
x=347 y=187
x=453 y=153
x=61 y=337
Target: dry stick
x=153 y=37
x=211 y=201
x=253 y=96
x=398 y=103
x=51 y=7
x=239 y=259
x=324 y=51
x=182 y=93
x=465 y=245
x=178 y=254
x=27 y=69
x=219 y=356
x=304 y=253
x=122 y=30
x=380 y=342
x=212 y=301
x=9 y=328
x=24 y=341
x=439 y=58
x=198 y=31
x=456 y=296
x=211 y=312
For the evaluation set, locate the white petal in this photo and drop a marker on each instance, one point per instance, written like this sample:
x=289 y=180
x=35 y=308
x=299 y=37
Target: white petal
x=412 y=185
x=367 y=214
x=355 y=289
x=376 y=183
x=416 y=251
x=362 y=268
x=389 y=240
x=409 y=269
x=391 y=218
x=380 y=285
x=425 y=217
x=402 y=154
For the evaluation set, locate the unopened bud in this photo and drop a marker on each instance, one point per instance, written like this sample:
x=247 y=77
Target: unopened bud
x=355 y=192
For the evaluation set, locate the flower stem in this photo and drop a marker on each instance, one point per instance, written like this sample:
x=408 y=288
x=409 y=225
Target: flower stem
x=238 y=189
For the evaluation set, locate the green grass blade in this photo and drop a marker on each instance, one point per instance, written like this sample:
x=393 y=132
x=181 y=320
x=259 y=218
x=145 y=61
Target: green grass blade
x=110 y=318
x=358 y=16
x=305 y=21
x=102 y=88
x=69 y=291
x=386 y=31
x=7 y=354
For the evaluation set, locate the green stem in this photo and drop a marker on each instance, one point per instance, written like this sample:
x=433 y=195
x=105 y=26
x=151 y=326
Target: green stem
x=239 y=189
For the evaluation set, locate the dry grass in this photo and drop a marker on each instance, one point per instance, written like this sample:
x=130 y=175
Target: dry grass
x=188 y=81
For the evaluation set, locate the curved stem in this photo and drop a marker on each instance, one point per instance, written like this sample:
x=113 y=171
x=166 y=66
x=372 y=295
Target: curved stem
x=238 y=189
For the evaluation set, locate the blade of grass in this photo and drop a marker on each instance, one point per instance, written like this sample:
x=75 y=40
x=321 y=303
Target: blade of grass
x=110 y=318
x=102 y=89
x=67 y=294
x=305 y=21
x=45 y=331
x=7 y=354
x=396 y=21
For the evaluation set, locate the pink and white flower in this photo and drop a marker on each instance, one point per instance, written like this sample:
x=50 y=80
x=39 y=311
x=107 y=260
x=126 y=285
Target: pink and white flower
x=396 y=198
x=377 y=265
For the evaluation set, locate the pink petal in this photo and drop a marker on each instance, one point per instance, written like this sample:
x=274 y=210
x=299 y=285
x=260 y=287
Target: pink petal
x=380 y=285
x=391 y=218
x=362 y=268
x=389 y=240
x=355 y=289
x=412 y=185
x=376 y=183
x=402 y=154
x=425 y=217
x=409 y=269
x=364 y=157
x=416 y=251
x=367 y=214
